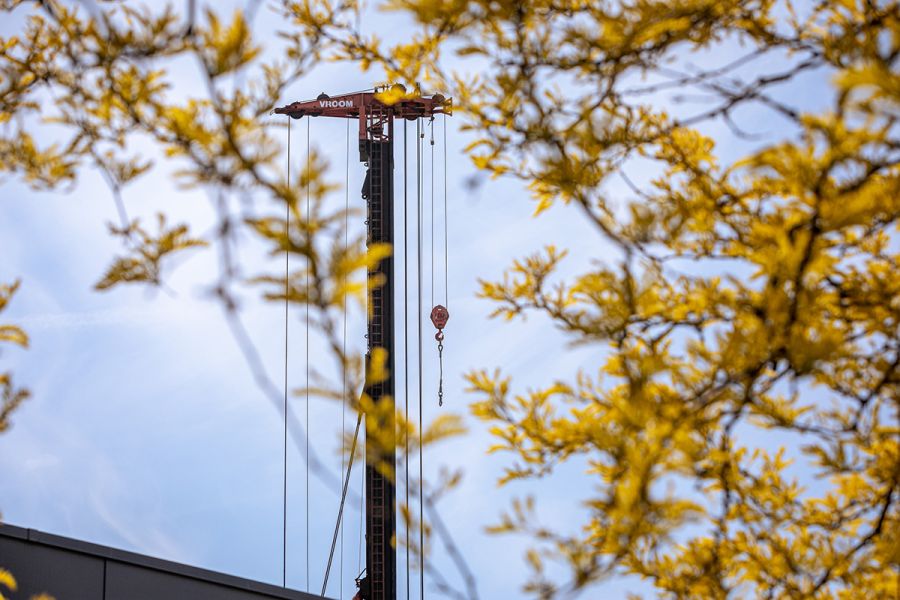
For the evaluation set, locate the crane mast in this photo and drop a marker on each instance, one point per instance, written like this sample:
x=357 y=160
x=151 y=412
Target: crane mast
x=376 y=150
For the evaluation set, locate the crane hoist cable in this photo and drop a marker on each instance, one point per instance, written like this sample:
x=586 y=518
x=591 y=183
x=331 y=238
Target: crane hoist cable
x=440 y=314
x=308 y=270
x=287 y=233
x=344 y=339
x=446 y=227
x=431 y=209
x=406 y=338
x=419 y=136
x=287 y=265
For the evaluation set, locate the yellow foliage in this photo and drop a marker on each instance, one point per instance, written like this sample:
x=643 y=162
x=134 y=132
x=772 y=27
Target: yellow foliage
x=735 y=288
x=144 y=265
x=757 y=292
x=226 y=48
x=7 y=580
x=10 y=396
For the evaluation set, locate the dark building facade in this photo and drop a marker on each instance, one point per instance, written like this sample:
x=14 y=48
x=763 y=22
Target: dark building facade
x=70 y=569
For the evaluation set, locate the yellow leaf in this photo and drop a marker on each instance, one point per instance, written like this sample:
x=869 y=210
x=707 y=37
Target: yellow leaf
x=7 y=580
x=11 y=333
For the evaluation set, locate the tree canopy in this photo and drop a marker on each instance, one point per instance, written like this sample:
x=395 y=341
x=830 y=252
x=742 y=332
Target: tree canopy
x=750 y=290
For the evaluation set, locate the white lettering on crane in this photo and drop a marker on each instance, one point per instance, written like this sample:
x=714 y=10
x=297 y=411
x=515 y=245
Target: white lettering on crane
x=336 y=103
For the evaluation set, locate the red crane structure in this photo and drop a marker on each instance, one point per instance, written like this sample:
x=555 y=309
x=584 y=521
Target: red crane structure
x=376 y=150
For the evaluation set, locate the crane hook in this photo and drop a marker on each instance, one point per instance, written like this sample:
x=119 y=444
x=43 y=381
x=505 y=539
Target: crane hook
x=439 y=316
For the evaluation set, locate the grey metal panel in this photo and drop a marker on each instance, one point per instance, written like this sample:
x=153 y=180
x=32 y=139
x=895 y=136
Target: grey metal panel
x=77 y=570
x=60 y=573
x=130 y=582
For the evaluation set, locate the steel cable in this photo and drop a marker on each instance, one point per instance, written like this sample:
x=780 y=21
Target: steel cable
x=446 y=227
x=340 y=516
x=287 y=262
x=344 y=341
x=309 y=229
x=406 y=339
x=419 y=137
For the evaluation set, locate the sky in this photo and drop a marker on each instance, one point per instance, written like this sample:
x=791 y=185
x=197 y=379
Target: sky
x=146 y=431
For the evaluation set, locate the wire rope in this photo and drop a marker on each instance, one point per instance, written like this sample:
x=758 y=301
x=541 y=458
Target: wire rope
x=309 y=229
x=287 y=264
x=340 y=516
x=406 y=339
x=419 y=137
x=362 y=509
x=344 y=341
x=446 y=227
x=431 y=183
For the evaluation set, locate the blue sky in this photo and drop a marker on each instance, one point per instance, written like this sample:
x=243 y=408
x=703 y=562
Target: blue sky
x=146 y=431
